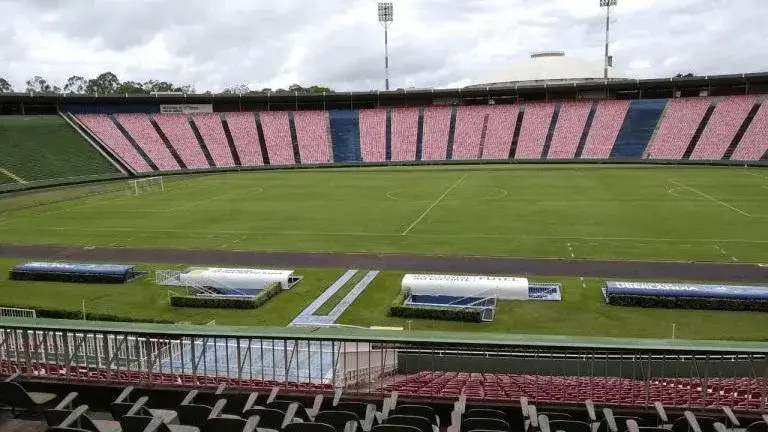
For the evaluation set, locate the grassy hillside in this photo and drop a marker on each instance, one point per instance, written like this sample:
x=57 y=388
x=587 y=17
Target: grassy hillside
x=46 y=147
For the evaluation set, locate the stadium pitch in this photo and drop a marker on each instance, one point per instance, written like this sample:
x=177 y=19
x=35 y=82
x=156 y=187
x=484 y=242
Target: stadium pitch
x=593 y=212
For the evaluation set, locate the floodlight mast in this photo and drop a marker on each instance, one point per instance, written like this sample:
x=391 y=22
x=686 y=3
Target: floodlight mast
x=607 y=59
x=385 y=19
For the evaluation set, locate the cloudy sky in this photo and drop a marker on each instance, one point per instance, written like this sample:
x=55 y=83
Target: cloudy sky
x=214 y=44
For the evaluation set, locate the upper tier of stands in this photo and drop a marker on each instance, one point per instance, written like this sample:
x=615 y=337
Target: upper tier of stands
x=277 y=135
x=700 y=128
x=46 y=147
x=113 y=139
x=212 y=133
x=242 y=126
x=141 y=131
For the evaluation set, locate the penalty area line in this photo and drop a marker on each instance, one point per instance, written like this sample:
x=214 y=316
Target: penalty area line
x=437 y=201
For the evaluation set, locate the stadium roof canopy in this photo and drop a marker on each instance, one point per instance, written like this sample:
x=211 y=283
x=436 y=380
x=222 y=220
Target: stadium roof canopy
x=547 y=67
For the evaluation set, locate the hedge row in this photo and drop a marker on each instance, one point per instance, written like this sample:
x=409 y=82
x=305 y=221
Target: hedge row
x=78 y=315
x=227 y=302
x=399 y=309
x=688 y=303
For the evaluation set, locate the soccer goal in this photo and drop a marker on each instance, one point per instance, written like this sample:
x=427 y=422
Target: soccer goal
x=145 y=185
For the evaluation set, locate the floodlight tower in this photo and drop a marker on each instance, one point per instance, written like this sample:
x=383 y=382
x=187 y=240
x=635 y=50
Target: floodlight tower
x=385 y=19
x=608 y=60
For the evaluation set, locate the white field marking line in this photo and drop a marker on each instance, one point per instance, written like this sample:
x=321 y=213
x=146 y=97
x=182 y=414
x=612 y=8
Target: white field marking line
x=437 y=201
x=12 y=175
x=711 y=198
x=255 y=191
x=392 y=195
x=725 y=254
x=359 y=234
x=756 y=175
x=570 y=250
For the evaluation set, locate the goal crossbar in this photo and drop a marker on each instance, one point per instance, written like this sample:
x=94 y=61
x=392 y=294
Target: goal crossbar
x=138 y=186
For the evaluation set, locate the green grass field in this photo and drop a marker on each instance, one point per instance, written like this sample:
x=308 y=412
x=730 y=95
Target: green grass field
x=648 y=213
x=580 y=313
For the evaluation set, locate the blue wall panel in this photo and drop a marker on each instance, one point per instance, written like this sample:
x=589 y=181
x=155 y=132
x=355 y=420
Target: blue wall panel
x=639 y=124
x=345 y=134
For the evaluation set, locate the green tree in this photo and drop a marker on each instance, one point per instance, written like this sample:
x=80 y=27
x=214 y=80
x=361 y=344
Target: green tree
x=38 y=84
x=153 y=86
x=237 y=90
x=106 y=83
x=75 y=84
x=186 y=88
x=132 y=87
x=5 y=86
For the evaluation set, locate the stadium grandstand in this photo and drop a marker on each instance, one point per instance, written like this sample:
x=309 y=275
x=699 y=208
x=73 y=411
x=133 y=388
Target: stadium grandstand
x=528 y=113
x=574 y=174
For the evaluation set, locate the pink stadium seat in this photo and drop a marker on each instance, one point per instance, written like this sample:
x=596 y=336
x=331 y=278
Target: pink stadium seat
x=569 y=128
x=501 y=130
x=101 y=126
x=142 y=131
x=373 y=134
x=678 y=125
x=437 y=121
x=754 y=143
x=212 y=131
x=728 y=116
x=609 y=117
x=405 y=129
x=242 y=125
x=312 y=135
x=533 y=132
x=469 y=127
x=277 y=134
x=179 y=133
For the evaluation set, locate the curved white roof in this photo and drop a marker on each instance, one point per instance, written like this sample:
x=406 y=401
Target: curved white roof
x=548 y=67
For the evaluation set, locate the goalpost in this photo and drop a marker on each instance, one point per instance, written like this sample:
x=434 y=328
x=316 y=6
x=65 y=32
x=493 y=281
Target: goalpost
x=145 y=185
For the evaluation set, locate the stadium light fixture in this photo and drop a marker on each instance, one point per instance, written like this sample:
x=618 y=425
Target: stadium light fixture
x=385 y=19
x=608 y=61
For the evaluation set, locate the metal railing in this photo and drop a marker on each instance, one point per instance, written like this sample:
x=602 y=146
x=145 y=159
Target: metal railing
x=416 y=364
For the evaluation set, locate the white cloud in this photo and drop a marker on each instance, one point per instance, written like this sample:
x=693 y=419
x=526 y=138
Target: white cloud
x=271 y=43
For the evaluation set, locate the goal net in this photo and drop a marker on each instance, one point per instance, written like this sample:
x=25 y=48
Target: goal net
x=145 y=185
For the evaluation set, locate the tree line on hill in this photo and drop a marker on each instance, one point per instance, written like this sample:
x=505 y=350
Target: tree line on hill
x=109 y=83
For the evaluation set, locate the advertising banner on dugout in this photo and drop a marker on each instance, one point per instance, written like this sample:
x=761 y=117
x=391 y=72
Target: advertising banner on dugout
x=686 y=290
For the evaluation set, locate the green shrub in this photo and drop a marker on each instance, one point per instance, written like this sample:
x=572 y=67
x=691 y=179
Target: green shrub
x=399 y=309
x=688 y=303
x=227 y=302
x=90 y=316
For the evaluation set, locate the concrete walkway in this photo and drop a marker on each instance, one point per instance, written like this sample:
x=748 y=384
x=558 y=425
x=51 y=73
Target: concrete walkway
x=309 y=317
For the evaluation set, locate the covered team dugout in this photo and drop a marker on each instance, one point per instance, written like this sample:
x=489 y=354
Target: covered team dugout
x=74 y=272
x=233 y=282
x=477 y=292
